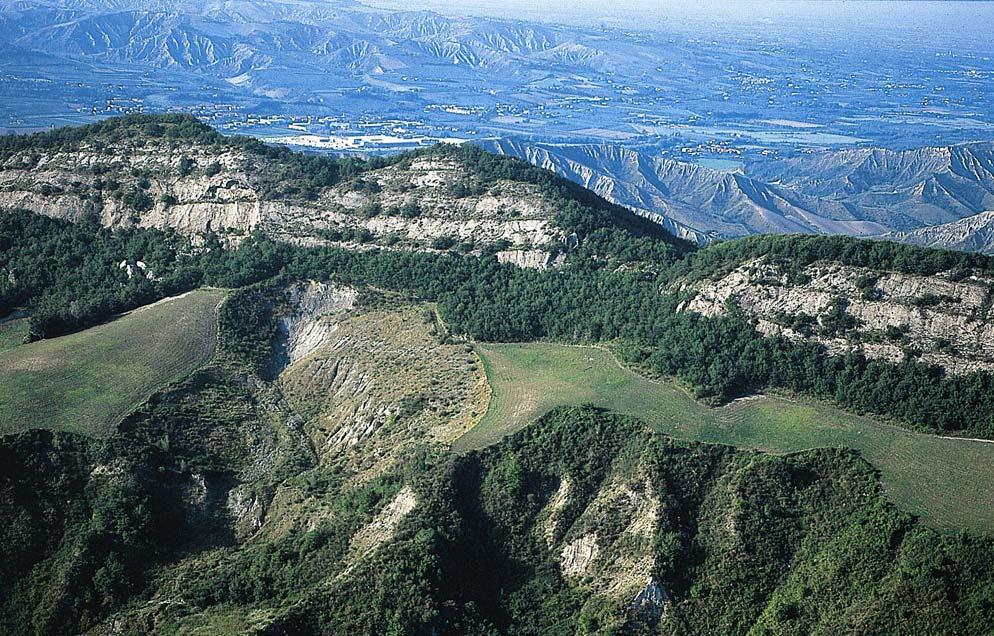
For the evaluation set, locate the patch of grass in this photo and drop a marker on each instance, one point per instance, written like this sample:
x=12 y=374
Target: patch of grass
x=220 y=620
x=940 y=479
x=12 y=333
x=87 y=381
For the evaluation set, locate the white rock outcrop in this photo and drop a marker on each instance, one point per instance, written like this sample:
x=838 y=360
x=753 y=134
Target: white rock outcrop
x=303 y=328
x=946 y=320
x=651 y=601
x=385 y=523
x=578 y=554
x=532 y=259
x=232 y=198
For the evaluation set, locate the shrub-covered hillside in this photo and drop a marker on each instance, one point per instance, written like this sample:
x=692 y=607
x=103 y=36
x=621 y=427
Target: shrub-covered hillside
x=721 y=350
x=584 y=522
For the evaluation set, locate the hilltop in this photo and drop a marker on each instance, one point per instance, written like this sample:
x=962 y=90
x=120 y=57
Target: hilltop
x=172 y=172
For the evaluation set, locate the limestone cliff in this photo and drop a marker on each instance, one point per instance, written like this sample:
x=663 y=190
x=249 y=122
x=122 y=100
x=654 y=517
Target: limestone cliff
x=427 y=200
x=943 y=319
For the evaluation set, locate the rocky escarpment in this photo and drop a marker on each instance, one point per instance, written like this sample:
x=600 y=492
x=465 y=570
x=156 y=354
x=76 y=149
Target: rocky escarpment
x=379 y=379
x=422 y=202
x=607 y=546
x=140 y=182
x=144 y=174
x=218 y=192
x=308 y=317
x=943 y=319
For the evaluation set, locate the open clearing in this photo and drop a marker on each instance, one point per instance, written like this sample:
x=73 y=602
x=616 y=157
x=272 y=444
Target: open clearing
x=87 y=381
x=945 y=481
x=13 y=330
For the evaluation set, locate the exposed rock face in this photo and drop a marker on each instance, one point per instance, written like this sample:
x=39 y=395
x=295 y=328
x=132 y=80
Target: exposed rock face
x=650 y=603
x=886 y=315
x=691 y=201
x=365 y=387
x=533 y=259
x=247 y=511
x=304 y=326
x=578 y=554
x=554 y=512
x=193 y=189
x=195 y=491
x=414 y=202
x=68 y=185
x=382 y=528
x=607 y=543
x=378 y=376
x=135 y=268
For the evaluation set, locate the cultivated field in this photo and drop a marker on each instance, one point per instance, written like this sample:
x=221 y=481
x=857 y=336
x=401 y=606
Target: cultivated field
x=946 y=481
x=87 y=381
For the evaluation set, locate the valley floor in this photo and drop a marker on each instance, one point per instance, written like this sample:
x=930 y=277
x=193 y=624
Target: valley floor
x=938 y=478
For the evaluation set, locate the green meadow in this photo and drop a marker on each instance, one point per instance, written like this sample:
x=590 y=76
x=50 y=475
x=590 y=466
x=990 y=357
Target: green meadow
x=88 y=381
x=943 y=480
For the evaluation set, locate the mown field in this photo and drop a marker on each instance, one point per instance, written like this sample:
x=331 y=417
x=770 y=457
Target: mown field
x=87 y=381
x=943 y=480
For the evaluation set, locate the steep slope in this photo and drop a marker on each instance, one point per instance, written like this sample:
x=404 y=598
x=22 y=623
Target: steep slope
x=304 y=480
x=860 y=192
x=941 y=319
x=972 y=234
x=158 y=39
x=864 y=171
x=170 y=172
x=590 y=520
x=581 y=519
x=922 y=186
x=879 y=300
x=213 y=473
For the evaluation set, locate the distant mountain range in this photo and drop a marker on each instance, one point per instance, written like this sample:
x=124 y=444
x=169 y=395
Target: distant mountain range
x=231 y=39
x=927 y=196
x=613 y=111
x=972 y=234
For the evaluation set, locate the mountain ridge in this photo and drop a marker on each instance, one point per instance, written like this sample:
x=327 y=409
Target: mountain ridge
x=172 y=172
x=861 y=192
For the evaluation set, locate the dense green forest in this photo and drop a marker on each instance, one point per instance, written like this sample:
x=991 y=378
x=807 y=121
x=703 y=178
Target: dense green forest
x=71 y=275
x=68 y=275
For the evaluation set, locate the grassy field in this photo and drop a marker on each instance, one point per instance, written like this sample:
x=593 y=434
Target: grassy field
x=12 y=332
x=945 y=481
x=87 y=381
